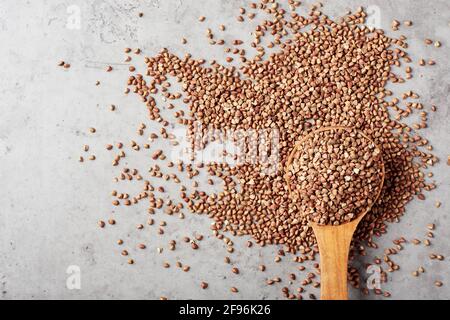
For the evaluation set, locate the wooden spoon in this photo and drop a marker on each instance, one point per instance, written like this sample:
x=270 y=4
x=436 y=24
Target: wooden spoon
x=334 y=241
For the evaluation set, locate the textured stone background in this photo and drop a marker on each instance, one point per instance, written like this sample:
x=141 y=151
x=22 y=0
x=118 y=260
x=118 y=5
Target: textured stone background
x=50 y=203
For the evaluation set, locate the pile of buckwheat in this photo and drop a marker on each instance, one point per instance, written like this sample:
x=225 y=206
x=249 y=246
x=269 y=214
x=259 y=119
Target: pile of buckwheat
x=318 y=73
x=334 y=74
x=335 y=175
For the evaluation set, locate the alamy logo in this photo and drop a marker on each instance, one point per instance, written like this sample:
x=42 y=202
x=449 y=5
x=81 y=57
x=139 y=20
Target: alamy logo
x=374 y=280
x=231 y=147
x=74 y=18
x=373 y=19
x=73 y=281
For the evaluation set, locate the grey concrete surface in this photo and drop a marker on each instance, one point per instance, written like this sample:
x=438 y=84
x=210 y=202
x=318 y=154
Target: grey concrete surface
x=50 y=203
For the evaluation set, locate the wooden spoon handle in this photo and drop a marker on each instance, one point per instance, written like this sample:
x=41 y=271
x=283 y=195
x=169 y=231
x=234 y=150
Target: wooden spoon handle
x=334 y=245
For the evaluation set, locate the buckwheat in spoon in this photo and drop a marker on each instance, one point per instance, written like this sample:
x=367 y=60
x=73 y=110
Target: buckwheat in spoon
x=335 y=175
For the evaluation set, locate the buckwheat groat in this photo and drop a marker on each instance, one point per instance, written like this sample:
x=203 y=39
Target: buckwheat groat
x=335 y=175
